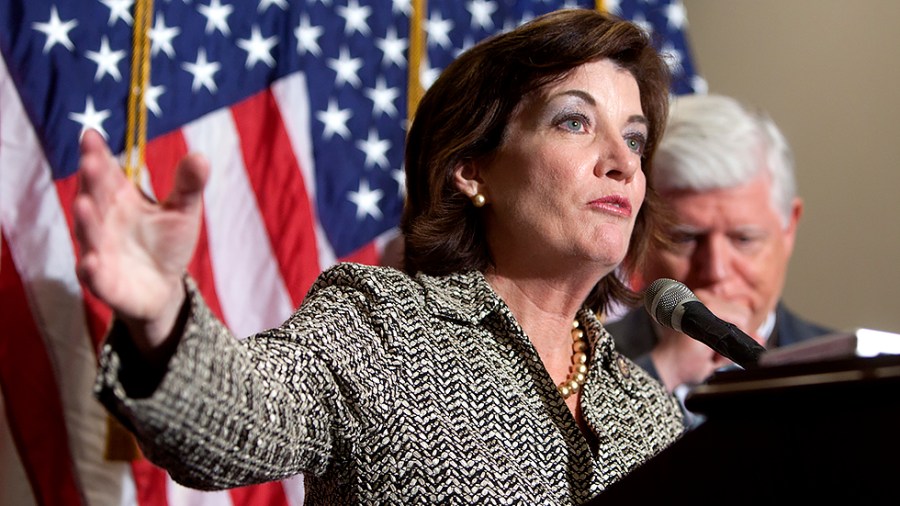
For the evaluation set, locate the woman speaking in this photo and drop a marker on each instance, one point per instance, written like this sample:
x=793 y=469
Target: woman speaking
x=480 y=373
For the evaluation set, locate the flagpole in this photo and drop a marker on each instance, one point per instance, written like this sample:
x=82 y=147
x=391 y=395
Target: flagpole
x=121 y=445
x=136 y=125
x=416 y=55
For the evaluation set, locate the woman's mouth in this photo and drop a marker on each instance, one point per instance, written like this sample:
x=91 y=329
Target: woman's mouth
x=613 y=204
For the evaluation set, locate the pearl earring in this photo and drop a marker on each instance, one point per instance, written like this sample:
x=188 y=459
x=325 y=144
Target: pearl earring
x=478 y=200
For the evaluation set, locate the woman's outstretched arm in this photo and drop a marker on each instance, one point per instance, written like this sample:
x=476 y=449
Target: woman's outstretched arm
x=134 y=252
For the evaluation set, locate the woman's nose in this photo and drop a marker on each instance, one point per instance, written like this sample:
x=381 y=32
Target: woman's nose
x=617 y=160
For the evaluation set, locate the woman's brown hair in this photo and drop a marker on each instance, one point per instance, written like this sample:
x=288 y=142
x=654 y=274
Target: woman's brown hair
x=464 y=115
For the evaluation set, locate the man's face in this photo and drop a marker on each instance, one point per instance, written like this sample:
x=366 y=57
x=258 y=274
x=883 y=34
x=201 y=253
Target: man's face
x=730 y=245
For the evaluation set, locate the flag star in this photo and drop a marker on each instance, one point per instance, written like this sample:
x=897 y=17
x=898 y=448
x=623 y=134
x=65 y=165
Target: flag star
x=467 y=43
x=401 y=7
x=258 y=49
x=366 y=201
x=375 y=149
x=672 y=57
x=91 y=118
x=613 y=7
x=119 y=9
x=57 y=31
x=382 y=98
x=355 y=17
x=428 y=74
x=700 y=86
x=438 y=30
x=510 y=23
x=151 y=96
x=265 y=4
x=677 y=15
x=161 y=37
x=346 y=68
x=107 y=60
x=644 y=25
x=399 y=176
x=216 y=16
x=335 y=120
x=308 y=37
x=393 y=48
x=481 y=11
x=203 y=72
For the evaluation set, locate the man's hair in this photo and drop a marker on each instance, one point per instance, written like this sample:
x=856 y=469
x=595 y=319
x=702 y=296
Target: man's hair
x=715 y=142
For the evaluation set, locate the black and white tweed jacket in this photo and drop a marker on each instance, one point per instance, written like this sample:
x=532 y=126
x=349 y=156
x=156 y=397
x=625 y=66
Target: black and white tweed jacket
x=387 y=389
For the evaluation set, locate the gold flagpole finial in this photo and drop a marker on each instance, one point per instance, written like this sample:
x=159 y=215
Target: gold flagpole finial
x=136 y=126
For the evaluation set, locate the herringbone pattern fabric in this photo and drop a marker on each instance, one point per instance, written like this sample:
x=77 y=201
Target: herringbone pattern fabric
x=387 y=389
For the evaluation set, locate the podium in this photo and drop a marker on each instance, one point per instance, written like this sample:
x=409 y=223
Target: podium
x=824 y=432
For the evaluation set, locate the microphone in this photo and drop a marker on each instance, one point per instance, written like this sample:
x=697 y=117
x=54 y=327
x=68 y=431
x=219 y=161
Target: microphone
x=673 y=305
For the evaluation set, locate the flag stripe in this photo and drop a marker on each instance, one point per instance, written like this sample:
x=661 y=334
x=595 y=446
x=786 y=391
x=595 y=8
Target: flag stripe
x=150 y=483
x=40 y=245
x=163 y=155
x=15 y=487
x=266 y=493
x=26 y=374
x=97 y=315
x=251 y=291
x=281 y=196
x=179 y=495
x=368 y=254
x=290 y=93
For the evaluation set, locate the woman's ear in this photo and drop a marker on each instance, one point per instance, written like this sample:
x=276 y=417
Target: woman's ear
x=467 y=179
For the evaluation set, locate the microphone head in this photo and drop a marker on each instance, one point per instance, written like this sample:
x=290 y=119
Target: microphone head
x=663 y=297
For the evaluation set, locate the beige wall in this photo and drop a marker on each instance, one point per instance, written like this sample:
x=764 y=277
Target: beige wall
x=828 y=71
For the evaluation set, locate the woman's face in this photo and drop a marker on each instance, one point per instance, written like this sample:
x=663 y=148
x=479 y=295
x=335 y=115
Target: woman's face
x=566 y=183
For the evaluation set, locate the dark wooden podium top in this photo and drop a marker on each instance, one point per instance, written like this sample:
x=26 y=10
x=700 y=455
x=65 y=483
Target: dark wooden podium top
x=823 y=432
x=809 y=384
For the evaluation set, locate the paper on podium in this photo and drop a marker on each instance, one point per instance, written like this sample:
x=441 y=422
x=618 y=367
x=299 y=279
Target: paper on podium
x=862 y=343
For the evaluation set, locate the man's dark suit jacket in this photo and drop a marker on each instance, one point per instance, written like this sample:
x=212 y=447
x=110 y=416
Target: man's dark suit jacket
x=635 y=336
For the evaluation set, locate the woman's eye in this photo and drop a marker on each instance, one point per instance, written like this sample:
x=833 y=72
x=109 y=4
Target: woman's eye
x=635 y=144
x=574 y=124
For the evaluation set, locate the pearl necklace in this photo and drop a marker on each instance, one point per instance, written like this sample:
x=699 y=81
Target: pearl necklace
x=578 y=371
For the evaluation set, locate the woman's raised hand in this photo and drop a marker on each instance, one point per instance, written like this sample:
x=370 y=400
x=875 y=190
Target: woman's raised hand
x=134 y=252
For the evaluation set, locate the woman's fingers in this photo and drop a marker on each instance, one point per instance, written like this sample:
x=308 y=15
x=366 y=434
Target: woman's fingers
x=87 y=223
x=190 y=179
x=100 y=176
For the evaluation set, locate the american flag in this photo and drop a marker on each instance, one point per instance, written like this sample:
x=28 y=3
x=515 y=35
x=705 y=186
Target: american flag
x=301 y=108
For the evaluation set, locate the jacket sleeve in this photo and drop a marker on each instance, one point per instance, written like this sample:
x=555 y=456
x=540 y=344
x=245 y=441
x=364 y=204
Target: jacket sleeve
x=226 y=412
